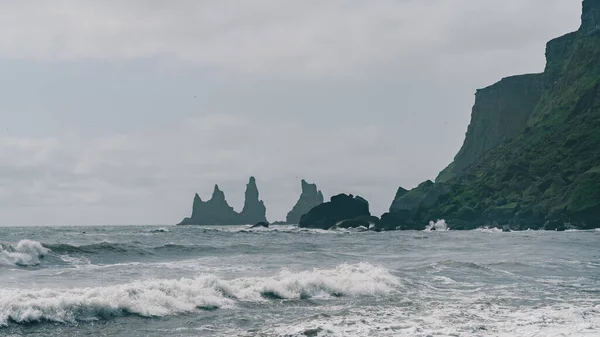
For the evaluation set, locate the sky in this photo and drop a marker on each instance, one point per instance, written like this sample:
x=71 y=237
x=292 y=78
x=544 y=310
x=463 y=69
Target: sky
x=117 y=112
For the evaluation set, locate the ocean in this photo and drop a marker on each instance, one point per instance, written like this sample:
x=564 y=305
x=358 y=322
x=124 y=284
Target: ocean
x=287 y=281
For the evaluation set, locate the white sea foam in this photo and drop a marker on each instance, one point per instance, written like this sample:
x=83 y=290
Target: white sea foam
x=24 y=253
x=469 y=317
x=439 y=225
x=154 y=298
x=487 y=229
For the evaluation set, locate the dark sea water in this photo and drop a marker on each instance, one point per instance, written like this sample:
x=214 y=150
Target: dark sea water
x=285 y=281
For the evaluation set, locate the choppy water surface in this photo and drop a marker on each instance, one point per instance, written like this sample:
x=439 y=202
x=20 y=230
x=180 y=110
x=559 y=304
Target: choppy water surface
x=232 y=281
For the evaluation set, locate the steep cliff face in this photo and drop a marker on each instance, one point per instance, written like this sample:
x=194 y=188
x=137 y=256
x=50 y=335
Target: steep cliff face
x=590 y=19
x=500 y=112
x=531 y=157
x=309 y=198
x=217 y=211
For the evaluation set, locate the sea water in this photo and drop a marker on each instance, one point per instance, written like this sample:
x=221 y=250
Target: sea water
x=287 y=281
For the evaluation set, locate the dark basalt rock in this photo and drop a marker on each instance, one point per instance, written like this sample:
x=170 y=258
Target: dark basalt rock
x=261 y=225
x=309 y=198
x=217 y=211
x=254 y=210
x=341 y=207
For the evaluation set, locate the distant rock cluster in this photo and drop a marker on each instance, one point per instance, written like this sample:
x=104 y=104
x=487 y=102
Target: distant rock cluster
x=217 y=211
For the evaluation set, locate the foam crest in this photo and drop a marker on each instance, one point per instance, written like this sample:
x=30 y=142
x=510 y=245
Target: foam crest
x=487 y=229
x=155 y=298
x=25 y=253
x=439 y=225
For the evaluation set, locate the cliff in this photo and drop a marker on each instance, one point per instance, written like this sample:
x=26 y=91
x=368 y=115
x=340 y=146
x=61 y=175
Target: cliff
x=217 y=211
x=531 y=156
x=309 y=198
x=500 y=112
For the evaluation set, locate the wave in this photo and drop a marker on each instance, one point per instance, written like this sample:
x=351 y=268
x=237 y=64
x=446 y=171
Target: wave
x=24 y=253
x=487 y=229
x=125 y=249
x=157 y=298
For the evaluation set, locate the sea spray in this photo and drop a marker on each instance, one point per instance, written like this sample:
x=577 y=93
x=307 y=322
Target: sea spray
x=24 y=253
x=439 y=225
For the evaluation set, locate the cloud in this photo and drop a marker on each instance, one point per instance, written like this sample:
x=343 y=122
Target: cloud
x=150 y=176
x=281 y=37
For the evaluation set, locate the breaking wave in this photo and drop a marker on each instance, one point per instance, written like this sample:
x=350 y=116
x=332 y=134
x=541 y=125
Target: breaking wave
x=156 y=298
x=487 y=229
x=24 y=253
x=439 y=225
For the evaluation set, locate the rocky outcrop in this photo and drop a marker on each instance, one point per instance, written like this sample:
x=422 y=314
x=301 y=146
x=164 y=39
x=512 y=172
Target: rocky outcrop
x=309 y=198
x=341 y=208
x=254 y=210
x=217 y=211
x=261 y=225
x=531 y=156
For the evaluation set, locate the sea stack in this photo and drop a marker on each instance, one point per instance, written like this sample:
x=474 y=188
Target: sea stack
x=254 y=209
x=309 y=198
x=217 y=211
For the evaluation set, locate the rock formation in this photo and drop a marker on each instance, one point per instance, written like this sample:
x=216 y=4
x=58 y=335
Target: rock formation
x=217 y=211
x=309 y=198
x=531 y=156
x=340 y=209
x=254 y=210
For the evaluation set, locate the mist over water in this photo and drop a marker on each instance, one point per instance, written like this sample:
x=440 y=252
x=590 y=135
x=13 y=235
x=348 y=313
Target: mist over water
x=287 y=281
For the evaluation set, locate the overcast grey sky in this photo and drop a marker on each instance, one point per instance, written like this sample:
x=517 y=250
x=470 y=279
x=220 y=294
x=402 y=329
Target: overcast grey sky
x=117 y=112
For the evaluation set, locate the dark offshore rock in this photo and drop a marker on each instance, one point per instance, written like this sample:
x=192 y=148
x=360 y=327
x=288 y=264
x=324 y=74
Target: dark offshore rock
x=217 y=211
x=341 y=207
x=261 y=225
x=531 y=156
x=254 y=210
x=309 y=198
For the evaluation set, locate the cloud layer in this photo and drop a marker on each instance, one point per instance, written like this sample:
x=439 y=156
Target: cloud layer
x=333 y=37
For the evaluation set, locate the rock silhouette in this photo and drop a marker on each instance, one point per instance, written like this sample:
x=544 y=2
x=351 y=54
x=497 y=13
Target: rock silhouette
x=309 y=198
x=217 y=211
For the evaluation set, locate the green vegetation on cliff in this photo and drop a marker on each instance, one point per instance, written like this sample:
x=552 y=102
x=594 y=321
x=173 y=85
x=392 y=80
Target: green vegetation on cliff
x=531 y=156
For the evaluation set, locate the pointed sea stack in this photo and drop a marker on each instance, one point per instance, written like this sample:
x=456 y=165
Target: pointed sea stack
x=254 y=209
x=309 y=198
x=217 y=211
